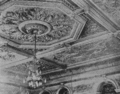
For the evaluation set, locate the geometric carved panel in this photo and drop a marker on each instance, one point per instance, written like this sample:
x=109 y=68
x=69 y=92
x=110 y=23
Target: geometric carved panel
x=53 y=25
x=92 y=28
x=80 y=53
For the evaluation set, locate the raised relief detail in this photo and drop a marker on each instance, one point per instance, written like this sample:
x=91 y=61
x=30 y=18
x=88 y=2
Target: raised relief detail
x=80 y=53
x=92 y=28
x=28 y=27
x=111 y=8
x=51 y=24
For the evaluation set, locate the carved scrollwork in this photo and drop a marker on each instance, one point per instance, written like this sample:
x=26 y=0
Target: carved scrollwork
x=58 y=24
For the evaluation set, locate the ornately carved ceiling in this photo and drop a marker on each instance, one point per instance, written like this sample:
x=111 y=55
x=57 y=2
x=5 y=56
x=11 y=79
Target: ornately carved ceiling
x=69 y=32
x=110 y=8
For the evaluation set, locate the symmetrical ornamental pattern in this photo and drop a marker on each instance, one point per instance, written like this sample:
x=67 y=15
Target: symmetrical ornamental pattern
x=51 y=24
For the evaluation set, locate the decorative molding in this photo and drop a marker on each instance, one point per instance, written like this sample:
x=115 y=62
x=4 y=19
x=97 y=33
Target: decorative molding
x=83 y=88
x=84 y=68
x=57 y=49
x=92 y=28
x=62 y=86
x=97 y=14
x=47 y=91
x=70 y=4
x=26 y=9
x=104 y=81
x=57 y=20
x=59 y=25
x=79 y=53
x=110 y=8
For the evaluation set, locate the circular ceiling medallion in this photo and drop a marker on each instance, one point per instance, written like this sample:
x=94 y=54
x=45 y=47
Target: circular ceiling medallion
x=51 y=25
x=32 y=27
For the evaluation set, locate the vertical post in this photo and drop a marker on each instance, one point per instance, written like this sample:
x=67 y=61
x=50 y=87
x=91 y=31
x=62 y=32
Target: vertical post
x=35 y=32
x=35 y=47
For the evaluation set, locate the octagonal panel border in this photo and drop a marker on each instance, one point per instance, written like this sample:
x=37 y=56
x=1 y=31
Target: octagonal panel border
x=77 y=27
